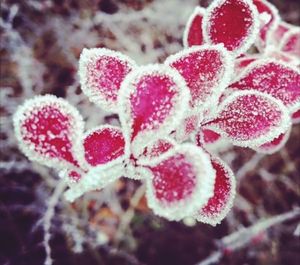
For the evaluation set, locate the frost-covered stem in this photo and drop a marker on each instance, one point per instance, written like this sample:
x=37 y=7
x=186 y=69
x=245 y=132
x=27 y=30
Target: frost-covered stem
x=243 y=236
x=128 y=215
x=48 y=216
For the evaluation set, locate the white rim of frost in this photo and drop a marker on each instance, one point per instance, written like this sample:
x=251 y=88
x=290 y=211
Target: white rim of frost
x=253 y=31
x=96 y=178
x=274 y=25
x=273 y=149
x=173 y=119
x=228 y=66
x=205 y=175
x=216 y=219
x=121 y=158
x=271 y=134
x=75 y=137
x=198 y=10
x=91 y=55
x=261 y=62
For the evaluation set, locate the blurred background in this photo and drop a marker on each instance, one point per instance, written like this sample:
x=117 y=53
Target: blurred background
x=40 y=45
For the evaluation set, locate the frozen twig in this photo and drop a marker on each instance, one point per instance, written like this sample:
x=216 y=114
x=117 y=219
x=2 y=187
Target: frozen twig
x=243 y=236
x=48 y=217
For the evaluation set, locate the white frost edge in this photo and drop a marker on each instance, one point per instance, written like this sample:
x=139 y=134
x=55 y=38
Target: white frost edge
x=204 y=189
x=273 y=149
x=253 y=31
x=96 y=178
x=216 y=219
x=273 y=132
x=146 y=160
x=197 y=11
x=228 y=66
x=90 y=55
x=262 y=62
x=121 y=158
x=173 y=119
x=76 y=131
x=261 y=46
x=285 y=39
x=269 y=50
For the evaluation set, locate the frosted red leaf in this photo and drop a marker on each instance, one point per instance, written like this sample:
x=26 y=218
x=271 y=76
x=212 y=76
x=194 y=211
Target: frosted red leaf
x=231 y=22
x=206 y=69
x=155 y=149
x=188 y=126
x=274 y=145
x=182 y=182
x=101 y=73
x=274 y=53
x=243 y=62
x=279 y=32
x=193 y=30
x=152 y=103
x=269 y=20
x=251 y=118
x=291 y=42
x=103 y=145
x=280 y=80
x=296 y=116
x=220 y=204
x=206 y=136
x=49 y=130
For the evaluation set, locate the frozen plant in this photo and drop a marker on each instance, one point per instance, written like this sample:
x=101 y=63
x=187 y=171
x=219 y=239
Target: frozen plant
x=273 y=70
x=166 y=112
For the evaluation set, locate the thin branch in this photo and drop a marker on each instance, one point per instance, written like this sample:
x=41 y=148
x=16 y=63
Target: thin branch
x=243 y=236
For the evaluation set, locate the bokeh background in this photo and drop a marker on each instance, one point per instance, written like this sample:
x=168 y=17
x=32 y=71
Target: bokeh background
x=40 y=45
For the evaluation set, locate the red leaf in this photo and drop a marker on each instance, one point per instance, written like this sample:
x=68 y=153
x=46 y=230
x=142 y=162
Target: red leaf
x=274 y=145
x=251 y=118
x=103 y=145
x=224 y=192
x=206 y=69
x=269 y=18
x=231 y=22
x=193 y=30
x=49 y=131
x=296 y=116
x=182 y=182
x=153 y=100
x=101 y=73
x=291 y=43
x=281 y=29
x=275 y=78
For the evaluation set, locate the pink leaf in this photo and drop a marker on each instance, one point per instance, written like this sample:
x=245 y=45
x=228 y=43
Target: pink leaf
x=274 y=145
x=152 y=103
x=269 y=18
x=155 y=150
x=193 y=30
x=103 y=145
x=182 y=182
x=250 y=118
x=275 y=78
x=188 y=126
x=285 y=57
x=101 y=73
x=207 y=136
x=296 y=116
x=206 y=69
x=281 y=29
x=49 y=130
x=291 y=42
x=224 y=192
x=243 y=62
x=231 y=22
